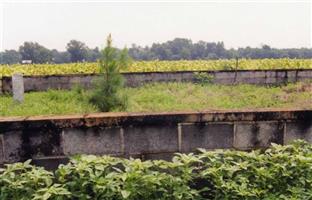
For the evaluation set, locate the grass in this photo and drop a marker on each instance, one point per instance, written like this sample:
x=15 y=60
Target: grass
x=166 y=97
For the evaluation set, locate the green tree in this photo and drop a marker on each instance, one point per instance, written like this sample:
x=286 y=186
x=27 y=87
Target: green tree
x=93 y=54
x=35 y=52
x=10 y=57
x=106 y=95
x=78 y=51
x=60 y=57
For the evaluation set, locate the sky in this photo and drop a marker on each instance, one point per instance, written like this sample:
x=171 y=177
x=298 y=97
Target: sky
x=281 y=24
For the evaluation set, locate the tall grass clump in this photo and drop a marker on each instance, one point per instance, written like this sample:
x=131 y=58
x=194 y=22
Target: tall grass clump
x=106 y=94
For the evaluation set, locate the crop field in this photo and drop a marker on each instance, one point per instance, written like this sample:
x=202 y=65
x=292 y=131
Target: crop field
x=154 y=66
x=166 y=97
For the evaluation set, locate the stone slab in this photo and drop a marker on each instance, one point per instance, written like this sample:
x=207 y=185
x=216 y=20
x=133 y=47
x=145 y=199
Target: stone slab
x=29 y=144
x=151 y=139
x=206 y=135
x=18 y=87
x=92 y=141
x=1 y=150
x=298 y=130
x=257 y=134
x=12 y=143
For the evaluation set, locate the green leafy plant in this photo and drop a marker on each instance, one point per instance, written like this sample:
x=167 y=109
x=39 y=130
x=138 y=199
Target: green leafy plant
x=20 y=181
x=91 y=177
x=106 y=95
x=203 y=78
x=278 y=173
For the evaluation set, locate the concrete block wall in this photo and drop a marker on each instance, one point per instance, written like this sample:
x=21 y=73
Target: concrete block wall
x=261 y=77
x=50 y=140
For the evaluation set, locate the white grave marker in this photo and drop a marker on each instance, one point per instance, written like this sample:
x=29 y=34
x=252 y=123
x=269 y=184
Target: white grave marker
x=18 y=87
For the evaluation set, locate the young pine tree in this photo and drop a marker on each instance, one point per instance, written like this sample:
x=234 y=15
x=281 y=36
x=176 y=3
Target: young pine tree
x=106 y=94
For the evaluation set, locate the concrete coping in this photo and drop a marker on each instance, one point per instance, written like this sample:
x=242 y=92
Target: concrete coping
x=122 y=118
x=171 y=72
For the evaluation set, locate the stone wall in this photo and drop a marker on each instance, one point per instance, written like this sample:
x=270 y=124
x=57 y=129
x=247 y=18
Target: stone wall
x=261 y=77
x=50 y=140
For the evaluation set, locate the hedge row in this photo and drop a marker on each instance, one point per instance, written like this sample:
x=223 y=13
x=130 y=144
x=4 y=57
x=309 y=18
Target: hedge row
x=280 y=172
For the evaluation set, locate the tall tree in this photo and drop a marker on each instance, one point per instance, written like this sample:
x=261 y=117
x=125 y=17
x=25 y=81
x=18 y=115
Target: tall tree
x=78 y=51
x=60 y=57
x=10 y=57
x=93 y=54
x=35 y=52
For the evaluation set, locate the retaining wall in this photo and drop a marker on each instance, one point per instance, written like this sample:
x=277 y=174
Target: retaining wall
x=261 y=77
x=50 y=140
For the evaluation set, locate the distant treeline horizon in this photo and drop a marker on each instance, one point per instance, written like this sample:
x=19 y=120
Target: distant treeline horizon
x=176 y=49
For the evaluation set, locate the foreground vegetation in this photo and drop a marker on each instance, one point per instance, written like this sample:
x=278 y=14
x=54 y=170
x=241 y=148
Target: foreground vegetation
x=152 y=66
x=166 y=97
x=279 y=173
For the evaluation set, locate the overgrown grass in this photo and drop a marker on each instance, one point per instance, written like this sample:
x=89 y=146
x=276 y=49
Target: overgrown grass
x=166 y=97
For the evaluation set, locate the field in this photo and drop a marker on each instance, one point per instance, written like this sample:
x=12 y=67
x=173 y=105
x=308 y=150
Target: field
x=152 y=66
x=166 y=97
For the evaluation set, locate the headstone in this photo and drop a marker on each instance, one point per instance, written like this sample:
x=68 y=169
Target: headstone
x=18 y=87
x=1 y=87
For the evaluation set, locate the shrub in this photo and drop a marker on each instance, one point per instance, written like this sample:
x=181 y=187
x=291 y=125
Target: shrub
x=91 y=177
x=22 y=181
x=280 y=172
x=203 y=78
x=106 y=94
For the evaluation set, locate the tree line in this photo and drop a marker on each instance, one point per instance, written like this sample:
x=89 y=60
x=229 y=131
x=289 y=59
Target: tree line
x=76 y=51
x=176 y=49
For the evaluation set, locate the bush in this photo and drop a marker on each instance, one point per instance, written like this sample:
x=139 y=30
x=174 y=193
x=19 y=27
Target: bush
x=22 y=181
x=106 y=95
x=203 y=78
x=280 y=172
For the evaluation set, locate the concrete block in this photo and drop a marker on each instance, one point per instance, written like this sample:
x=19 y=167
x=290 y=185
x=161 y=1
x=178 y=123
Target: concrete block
x=206 y=135
x=291 y=76
x=12 y=143
x=257 y=134
x=1 y=150
x=304 y=74
x=151 y=139
x=298 y=130
x=224 y=77
x=92 y=141
x=28 y=144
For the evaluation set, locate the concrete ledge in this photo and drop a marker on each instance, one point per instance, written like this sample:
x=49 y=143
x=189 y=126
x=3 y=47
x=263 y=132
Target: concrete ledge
x=135 y=79
x=148 y=135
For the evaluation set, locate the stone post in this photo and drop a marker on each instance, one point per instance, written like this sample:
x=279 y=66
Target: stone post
x=1 y=86
x=18 y=87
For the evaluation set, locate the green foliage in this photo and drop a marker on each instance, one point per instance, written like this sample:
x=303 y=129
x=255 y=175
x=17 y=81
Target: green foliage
x=10 y=57
x=281 y=172
x=21 y=181
x=203 y=78
x=77 y=50
x=106 y=95
x=35 y=52
x=278 y=173
x=91 y=177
